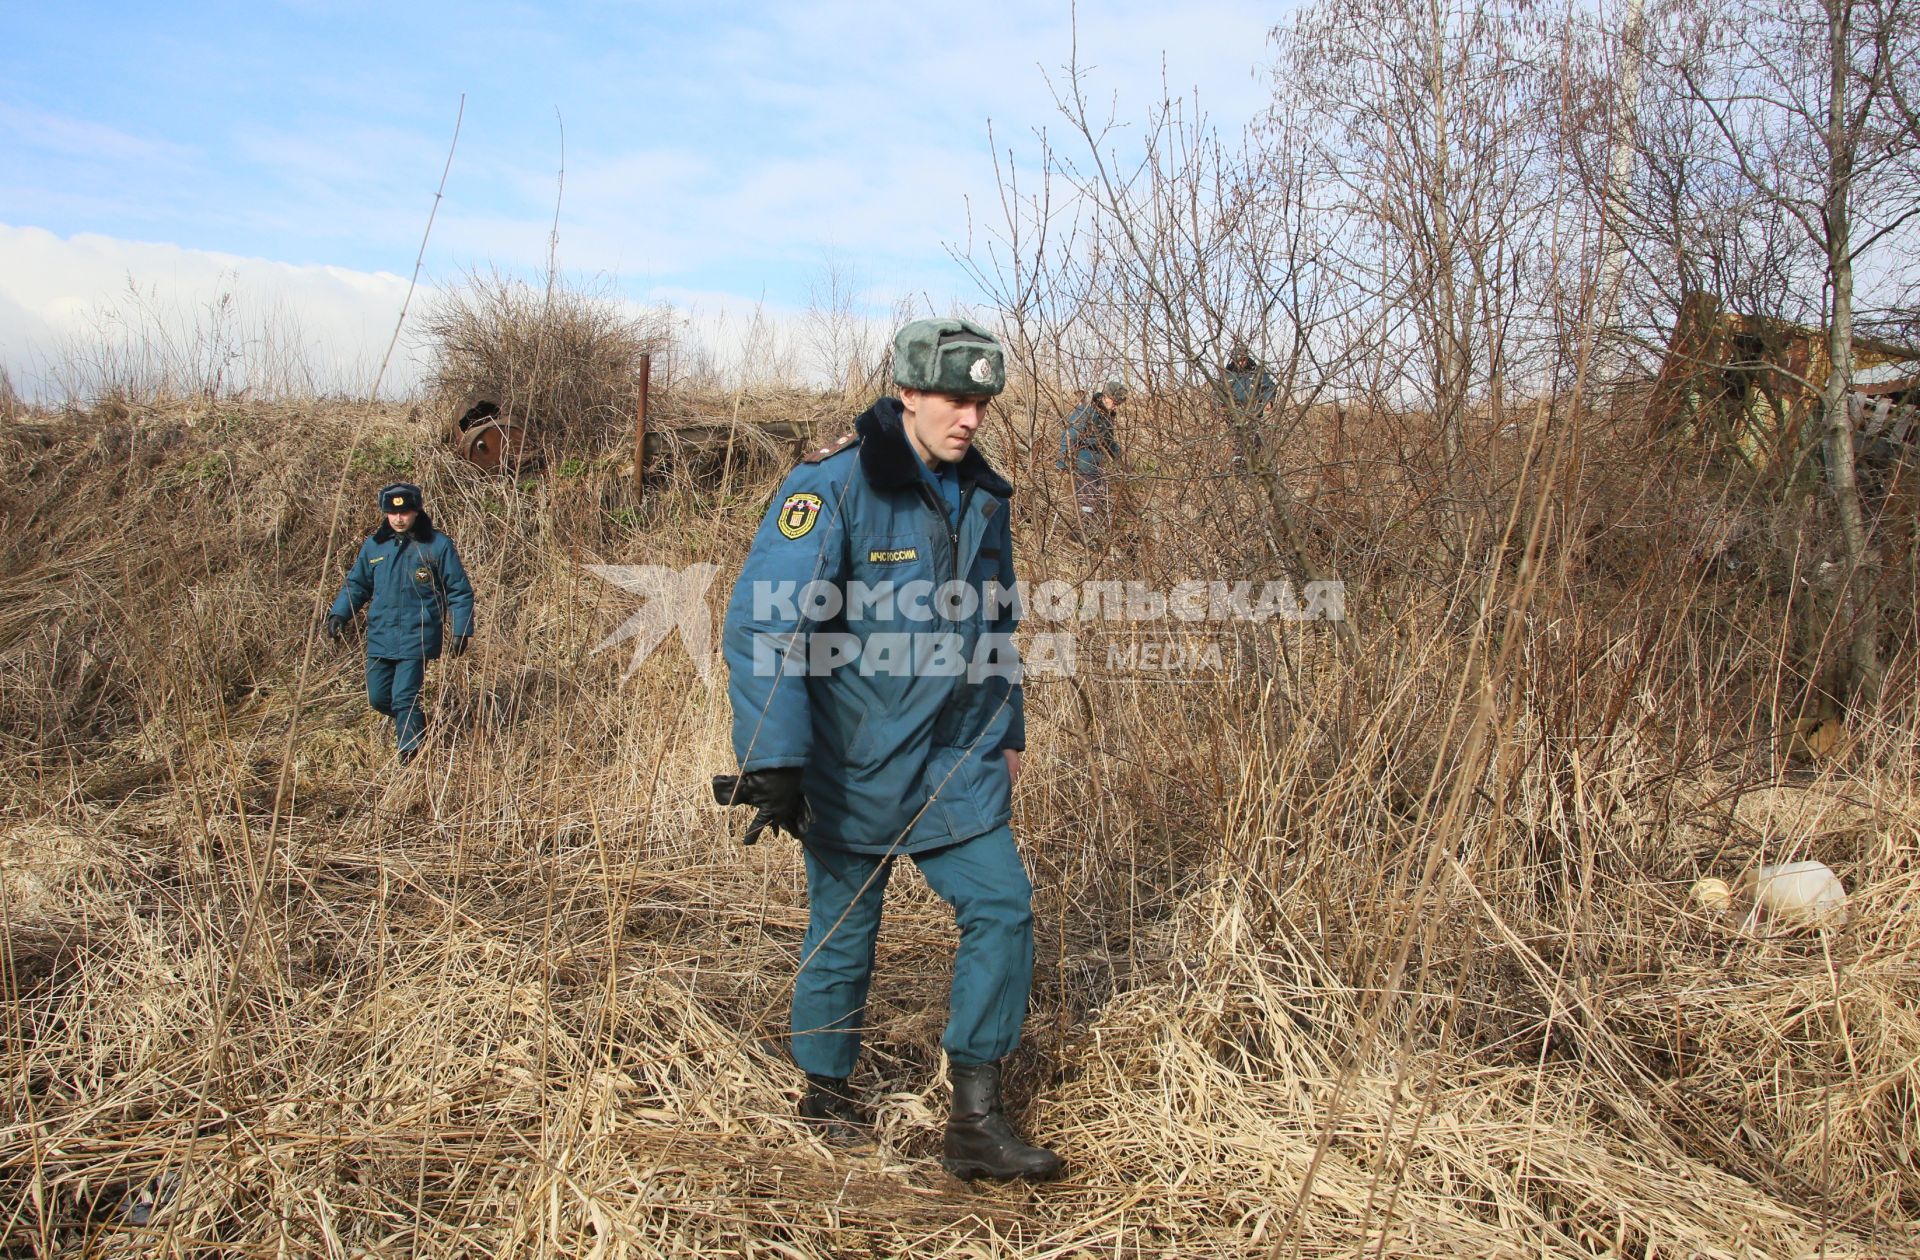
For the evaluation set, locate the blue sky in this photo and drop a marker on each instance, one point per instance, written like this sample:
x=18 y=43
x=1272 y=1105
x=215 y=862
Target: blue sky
x=716 y=154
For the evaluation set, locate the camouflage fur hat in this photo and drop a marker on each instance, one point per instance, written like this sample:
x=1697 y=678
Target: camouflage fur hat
x=948 y=356
x=1116 y=390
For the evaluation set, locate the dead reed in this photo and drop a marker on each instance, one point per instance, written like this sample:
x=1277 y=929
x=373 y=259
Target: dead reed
x=1376 y=949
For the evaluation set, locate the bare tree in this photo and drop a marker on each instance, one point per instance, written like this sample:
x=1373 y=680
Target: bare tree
x=1145 y=259
x=1431 y=137
x=1807 y=108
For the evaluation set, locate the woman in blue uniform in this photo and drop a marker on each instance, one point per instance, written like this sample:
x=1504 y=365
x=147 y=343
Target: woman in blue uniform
x=411 y=575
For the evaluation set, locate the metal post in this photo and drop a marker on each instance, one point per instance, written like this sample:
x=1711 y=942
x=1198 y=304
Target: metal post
x=640 y=432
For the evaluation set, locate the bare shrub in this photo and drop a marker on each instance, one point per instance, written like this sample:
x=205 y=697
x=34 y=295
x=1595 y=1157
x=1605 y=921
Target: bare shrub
x=563 y=360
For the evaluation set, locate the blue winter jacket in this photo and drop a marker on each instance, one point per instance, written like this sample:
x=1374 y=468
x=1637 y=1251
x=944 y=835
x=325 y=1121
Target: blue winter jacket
x=416 y=583
x=902 y=748
x=1249 y=389
x=1088 y=441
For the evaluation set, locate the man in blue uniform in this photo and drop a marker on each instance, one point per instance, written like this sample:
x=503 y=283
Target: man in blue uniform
x=877 y=711
x=1247 y=392
x=412 y=575
x=1088 y=445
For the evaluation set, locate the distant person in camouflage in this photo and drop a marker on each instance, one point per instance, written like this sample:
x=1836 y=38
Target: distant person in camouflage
x=1089 y=447
x=1247 y=392
x=420 y=597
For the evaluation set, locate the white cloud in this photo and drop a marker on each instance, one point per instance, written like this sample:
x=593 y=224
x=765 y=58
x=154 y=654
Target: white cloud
x=73 y=310
x=77 y=313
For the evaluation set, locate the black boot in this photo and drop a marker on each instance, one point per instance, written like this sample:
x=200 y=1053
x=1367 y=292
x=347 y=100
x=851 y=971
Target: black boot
x=980 y=1142
x=830 y=1109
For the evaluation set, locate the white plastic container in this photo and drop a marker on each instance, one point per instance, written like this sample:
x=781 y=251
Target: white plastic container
x=1798 y=894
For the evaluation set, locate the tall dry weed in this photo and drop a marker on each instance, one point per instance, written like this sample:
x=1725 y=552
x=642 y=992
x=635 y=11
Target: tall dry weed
x=1375 y=945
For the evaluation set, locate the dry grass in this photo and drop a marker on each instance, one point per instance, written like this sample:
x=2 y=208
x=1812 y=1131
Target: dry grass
x=11 y=408
x=1365 y=951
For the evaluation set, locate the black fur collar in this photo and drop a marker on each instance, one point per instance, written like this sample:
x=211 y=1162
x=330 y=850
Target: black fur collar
x=889 y=461
x=421 y=531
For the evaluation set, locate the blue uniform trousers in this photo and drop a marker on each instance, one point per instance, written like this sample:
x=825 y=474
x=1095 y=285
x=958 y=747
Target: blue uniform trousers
x=393 y=688
x=984 y=881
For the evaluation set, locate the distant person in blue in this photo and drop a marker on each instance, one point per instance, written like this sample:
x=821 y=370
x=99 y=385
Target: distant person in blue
x=883 y=716
x=412 y=575
x=1088 y=449
x=1247 y=393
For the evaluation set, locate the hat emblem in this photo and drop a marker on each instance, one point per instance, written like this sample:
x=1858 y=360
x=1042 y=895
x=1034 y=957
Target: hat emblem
x=981 y=371
x=399 y=500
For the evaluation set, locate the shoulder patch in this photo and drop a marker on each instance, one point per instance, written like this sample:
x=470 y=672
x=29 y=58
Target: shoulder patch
x=798 y=514
x=831 y=449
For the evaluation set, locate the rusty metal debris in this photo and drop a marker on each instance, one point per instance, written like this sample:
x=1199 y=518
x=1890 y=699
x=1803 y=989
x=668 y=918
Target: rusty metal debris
x=489 y=439
x=493 y=436
x=640 y=428
x=495 y=446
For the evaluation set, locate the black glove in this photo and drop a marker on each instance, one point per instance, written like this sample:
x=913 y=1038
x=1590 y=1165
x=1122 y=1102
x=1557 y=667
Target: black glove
x=457 y=645
x=336 y=627
x=775 y=796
